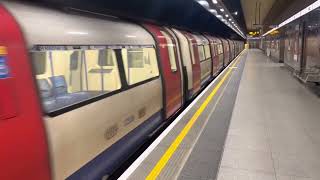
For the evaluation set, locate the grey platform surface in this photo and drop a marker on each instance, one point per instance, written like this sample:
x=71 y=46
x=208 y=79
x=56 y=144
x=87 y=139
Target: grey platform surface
x=211 y=127
x=274 y=132
x=275 y=127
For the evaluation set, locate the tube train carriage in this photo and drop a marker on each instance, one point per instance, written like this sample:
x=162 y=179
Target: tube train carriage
x=80 y=94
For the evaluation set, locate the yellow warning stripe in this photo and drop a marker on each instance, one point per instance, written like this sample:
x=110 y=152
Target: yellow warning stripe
x=3 y=50
x=175 y=144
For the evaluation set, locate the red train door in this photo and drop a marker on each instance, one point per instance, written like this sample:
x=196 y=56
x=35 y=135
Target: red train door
x=226 y=52
x=23 y=152
x=214 y=56
x=196 y=71
x=170 y=69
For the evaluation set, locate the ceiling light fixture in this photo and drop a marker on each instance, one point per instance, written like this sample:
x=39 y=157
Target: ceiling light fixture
x=204 y=3
x=213 y=11
x=214 y=1
x=221 y=10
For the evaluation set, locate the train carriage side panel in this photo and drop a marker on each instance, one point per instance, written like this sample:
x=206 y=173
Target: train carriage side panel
x=23 y=152
x=92 y=79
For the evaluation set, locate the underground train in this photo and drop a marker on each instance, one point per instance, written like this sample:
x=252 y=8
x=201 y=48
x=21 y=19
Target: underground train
x=297 y=45
x=80 y=93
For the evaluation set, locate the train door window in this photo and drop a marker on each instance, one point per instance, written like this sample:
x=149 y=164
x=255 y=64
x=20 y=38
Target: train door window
x=207 y=51
x=192 y=52
x=67 y=76
x=202 y=55
x=171 y=52
x=39 y=65
x=140 y=64
x=220 y=49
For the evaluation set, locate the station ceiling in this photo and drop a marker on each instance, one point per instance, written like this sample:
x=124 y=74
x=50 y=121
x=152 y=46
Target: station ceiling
x=272 y=12
x=251 y=12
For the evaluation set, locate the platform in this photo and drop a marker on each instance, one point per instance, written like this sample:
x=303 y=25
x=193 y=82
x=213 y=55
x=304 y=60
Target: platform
x=274 y=132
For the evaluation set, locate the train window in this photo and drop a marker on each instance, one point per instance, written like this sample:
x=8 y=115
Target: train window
x=202 y=55
x=192 y=52
x=216 y=49
x=207 y=51
x=213 y=50
x=171 y=51
x=140 y=64
x=38 y=63
x=74 y=76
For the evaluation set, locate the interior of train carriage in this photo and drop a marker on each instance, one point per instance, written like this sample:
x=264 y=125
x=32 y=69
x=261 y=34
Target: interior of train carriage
x=66 y=77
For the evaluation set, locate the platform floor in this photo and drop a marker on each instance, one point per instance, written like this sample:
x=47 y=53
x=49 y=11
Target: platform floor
x=261 y=124
x=275 y=127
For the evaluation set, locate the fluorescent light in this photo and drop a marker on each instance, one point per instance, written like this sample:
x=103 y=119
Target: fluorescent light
x=215 y=1
x=130 y=36
x=213 y=11
x=227 y=15
x=219 y=16
x=204 y=3
x=221 y=10
x=230 y=19
x=77 y=33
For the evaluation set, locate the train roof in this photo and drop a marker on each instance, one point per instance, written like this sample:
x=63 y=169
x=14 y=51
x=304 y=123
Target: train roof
x=45 y=26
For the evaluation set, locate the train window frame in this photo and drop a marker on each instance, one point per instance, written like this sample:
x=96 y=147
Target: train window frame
x=124 y=85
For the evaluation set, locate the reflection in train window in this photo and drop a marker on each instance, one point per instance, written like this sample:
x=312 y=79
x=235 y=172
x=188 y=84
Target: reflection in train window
x=140 y=64
x=73 y=76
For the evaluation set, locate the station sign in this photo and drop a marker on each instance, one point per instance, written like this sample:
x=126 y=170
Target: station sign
x=254 y=33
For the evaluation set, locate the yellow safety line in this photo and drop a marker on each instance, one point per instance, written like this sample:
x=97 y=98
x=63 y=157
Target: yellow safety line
x=175 y=144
